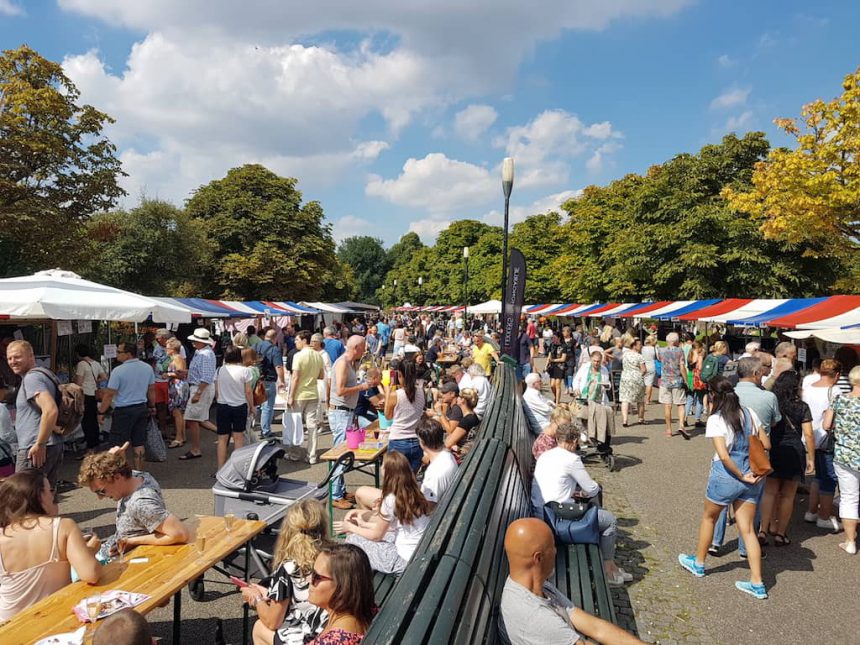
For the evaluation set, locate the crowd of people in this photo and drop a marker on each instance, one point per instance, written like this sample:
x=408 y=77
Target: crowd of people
x=428 y=379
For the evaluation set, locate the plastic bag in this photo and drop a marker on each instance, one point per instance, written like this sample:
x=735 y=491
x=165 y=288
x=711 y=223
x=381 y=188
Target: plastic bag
x=154 y=445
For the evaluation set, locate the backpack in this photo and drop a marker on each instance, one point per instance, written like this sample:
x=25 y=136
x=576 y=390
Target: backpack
x=70 y=403
x=730 y=372
x=710 y=368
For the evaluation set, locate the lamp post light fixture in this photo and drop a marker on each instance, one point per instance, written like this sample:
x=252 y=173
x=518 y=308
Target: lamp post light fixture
x=507 y=186
x=466 y=287
x=394 y=295
x=420 y=283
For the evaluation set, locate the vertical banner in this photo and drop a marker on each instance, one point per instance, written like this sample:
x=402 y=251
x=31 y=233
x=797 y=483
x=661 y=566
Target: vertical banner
x=512 y=305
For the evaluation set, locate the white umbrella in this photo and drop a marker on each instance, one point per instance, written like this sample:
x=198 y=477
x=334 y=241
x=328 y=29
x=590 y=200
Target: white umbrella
x=63 y=295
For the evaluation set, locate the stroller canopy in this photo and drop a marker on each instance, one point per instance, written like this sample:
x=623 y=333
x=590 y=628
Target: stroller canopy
x=240 y=471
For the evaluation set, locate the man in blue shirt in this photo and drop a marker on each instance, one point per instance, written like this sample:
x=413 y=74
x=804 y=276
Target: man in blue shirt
x=130 y=387
x=333 y=347
x=274 y=379
x=383 y=330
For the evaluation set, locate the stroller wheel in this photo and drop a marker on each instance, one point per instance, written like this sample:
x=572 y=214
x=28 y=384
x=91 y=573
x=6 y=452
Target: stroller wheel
x=196 y=589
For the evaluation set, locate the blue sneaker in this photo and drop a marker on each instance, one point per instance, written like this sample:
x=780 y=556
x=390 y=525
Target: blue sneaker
x=690 y=564
x=757 y=591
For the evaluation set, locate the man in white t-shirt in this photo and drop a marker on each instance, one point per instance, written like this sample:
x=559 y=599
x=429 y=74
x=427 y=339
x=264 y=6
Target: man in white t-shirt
x=442 y=467
x=478 y=382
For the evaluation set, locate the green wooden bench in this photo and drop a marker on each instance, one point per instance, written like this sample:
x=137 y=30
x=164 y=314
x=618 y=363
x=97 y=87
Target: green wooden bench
x=451 y=588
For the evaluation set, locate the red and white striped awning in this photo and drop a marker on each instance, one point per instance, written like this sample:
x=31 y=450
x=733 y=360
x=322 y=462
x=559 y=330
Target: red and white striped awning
x=747 y=310
x=836 y=311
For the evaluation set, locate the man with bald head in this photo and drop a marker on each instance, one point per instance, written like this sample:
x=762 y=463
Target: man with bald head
x=342 y=402
x=533 y=611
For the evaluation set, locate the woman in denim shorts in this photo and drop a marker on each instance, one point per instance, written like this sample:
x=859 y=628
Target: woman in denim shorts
x=731 y=482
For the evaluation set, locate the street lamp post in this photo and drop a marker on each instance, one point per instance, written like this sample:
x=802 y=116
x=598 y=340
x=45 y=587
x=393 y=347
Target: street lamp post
x=507 y=186
x=466 y=287
x=383 y=296
x=420 y=282
x=395 y=292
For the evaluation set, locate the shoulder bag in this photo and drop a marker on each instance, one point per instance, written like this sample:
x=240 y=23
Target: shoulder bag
x=759 y=461
x=573 y=522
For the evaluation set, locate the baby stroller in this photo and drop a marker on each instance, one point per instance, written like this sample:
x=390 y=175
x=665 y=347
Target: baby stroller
x=249 y=487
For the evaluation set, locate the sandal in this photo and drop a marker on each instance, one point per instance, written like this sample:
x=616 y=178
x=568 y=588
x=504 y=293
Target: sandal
x=780 y=539
x=176 y=444
x=190 y=455
x=684 y=433
x=762 y=538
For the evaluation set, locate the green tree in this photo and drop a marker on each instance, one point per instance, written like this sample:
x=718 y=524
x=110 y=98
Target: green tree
x=670 y=234
x=369 y=262
x=402 y=252
x=541 y=240
x=155 y=249
x=267 y=244
x=56 y=166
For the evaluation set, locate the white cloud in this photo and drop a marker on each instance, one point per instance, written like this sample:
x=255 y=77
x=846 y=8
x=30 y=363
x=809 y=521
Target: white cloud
x=541 y=148
x=731 y=98
x=471 y=122
x=437 y=184
x=350 y=225
x=428 y=229
x=740 y=122
x=596 y=162
x=543 y=205
x=726 y=61
x=9 y=8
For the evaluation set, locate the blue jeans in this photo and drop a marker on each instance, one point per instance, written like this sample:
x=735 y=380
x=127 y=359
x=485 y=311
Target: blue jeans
x=523 y=370
x=338 y=420
x=410 y=449
x=696 y=399
x=720 y=527
x=267 y=410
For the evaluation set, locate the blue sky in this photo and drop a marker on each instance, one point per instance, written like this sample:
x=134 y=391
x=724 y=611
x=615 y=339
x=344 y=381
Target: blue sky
x=396 y=115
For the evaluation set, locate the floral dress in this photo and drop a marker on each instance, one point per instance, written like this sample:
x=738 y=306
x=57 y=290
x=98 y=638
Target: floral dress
x=338 y=637
x=846 y=430
x=178 y=390
x=632 y=389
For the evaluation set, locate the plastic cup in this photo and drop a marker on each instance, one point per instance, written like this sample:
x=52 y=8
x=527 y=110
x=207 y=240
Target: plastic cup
x=200 y=543
x=229 y=519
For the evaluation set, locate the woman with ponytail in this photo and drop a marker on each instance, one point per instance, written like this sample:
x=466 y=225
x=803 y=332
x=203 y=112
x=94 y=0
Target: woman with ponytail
x=404 y=405
x=281 y=601
x=731 y=482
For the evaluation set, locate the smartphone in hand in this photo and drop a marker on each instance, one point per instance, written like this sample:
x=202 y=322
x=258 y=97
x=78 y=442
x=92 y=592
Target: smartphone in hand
x=238 y=581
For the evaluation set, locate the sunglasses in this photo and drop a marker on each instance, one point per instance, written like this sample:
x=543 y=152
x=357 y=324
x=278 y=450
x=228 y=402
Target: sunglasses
x=317 y=578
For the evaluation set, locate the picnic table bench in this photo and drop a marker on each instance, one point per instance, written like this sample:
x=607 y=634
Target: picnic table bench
x=451 y=588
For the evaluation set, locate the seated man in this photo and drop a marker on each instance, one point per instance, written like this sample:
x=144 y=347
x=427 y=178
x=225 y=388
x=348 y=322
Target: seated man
x=538 y=408
x=533 y=611
x=441 y=466
x=141 y=514
x=126 y=627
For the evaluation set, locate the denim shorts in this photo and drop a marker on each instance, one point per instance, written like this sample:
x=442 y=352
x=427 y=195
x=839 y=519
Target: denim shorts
x=724 y=488
x=825 y=473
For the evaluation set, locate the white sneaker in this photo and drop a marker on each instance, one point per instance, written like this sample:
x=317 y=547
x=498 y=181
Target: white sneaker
x=831 y=524
x=810 y=517
x=628 y=577
x=849 y=547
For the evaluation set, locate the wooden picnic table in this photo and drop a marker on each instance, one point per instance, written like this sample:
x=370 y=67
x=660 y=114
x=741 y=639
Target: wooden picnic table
x=168 y=570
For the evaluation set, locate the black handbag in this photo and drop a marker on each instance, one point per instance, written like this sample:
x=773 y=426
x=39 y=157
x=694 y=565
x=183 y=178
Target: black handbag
x=570 y=510
x=583 y=530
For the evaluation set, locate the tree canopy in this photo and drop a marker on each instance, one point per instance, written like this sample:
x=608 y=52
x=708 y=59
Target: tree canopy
x=369 y=262
x=56 y=166
x=266 y=243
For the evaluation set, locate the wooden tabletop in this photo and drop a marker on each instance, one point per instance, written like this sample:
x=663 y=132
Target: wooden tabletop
x=333 y=454
x=169 y=569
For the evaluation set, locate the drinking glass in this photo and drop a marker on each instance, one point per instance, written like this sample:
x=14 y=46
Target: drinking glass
x=229 y=518
x=120 y=548
x=200 y=543
x=94 y=608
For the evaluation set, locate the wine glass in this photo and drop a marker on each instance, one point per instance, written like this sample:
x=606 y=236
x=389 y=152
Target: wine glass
x=94 y=608
x=120 y=548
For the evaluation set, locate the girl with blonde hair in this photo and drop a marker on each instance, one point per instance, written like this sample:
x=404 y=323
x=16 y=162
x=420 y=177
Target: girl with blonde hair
x=285 y=614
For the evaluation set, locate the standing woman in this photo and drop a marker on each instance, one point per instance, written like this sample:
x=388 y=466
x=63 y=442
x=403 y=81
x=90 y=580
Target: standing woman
x=649 y=354
x=178 y=390
x=632 y=388
x=556 y=365
x=698 y=389
x=731 y=482
x=405 y=407
x=790 y=458
x=843 y=420
x=235 y=402
x=342 y=585
x=88 y=373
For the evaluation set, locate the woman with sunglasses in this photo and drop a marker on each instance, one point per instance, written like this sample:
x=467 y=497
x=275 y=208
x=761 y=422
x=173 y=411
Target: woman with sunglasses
x=37 y=547
x=282 y=599
x=731 y=482
x=141 y=514
x=342 y=585
x=388 y=524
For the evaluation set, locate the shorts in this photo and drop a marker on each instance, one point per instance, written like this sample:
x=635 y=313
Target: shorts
x=672 y=395
x=724 y=489
x=523 y=370
x=649 y=378
x=825 y=473
x=129 y=424
x=231 y=419
x=199 y=411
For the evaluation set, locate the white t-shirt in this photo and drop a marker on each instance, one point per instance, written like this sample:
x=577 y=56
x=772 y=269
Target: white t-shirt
x=438 y=476
x=88 y=371
x=557 y=474
x=482 y=386
x=231 y=380
x=717 y=427
x=809 y=379
x=406 y=536
x=818 y=399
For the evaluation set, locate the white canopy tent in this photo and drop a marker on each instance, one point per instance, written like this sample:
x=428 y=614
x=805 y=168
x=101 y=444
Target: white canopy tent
x=489 y=307
x=62 y=295
x=832 y=335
